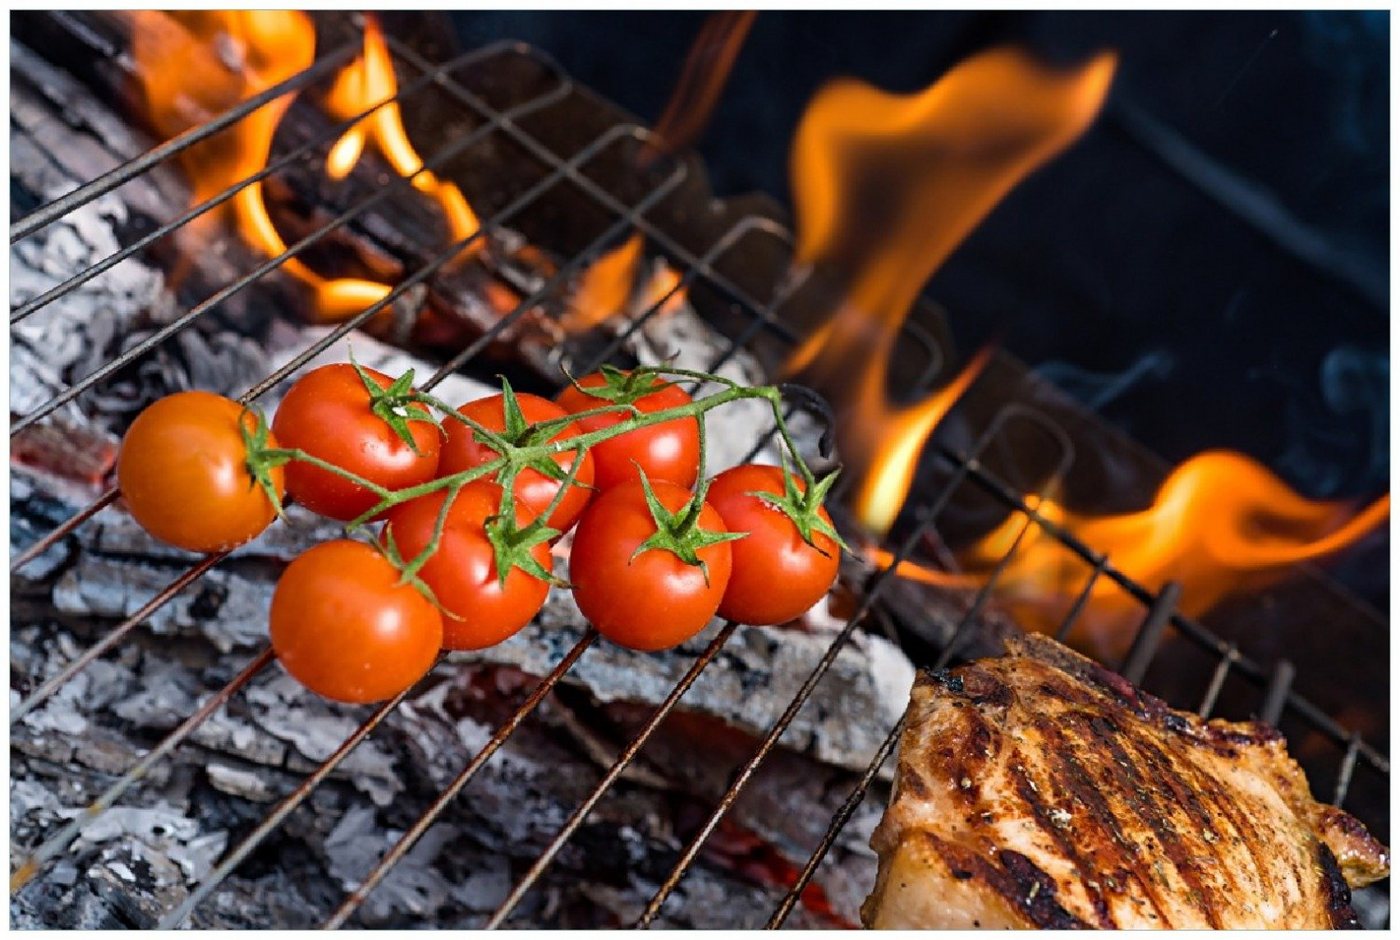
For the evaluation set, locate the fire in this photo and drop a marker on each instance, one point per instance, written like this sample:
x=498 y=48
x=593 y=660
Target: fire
x=703 y=77
x=1219 y=524
x=891 y=470
x=367 y=81
x=885 y=187
x=193 y=65
x=610 y=287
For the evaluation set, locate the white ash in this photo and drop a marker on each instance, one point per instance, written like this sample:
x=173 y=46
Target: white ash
x=259 y=747
x=749 y=685
x=288 y=341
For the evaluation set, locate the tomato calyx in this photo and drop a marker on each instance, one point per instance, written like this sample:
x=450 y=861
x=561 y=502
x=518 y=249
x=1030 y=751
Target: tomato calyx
x=262 y=459
x=396 y=404
x=519 y=435
x=514 y=547
x=679 y=532
x=622 y=387
x=804 y=509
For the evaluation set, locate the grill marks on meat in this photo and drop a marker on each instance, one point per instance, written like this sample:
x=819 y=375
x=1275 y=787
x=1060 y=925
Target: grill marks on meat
x=1041 y=790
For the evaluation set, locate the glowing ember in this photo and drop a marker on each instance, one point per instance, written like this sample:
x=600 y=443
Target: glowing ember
x=886 y=186
x=1220 y=524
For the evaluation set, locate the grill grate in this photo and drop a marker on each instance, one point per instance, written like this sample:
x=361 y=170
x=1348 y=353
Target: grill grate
x=1159 y=613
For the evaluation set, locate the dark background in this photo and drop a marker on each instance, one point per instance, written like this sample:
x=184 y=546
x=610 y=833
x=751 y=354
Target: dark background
x=1207 y=267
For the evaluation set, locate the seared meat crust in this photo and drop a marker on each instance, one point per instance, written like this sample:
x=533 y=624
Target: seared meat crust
x=1041 y=790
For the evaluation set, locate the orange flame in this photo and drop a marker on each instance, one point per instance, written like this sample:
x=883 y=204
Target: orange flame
x=886 y=186
x=366 y=81
x=890 y=472
x=194 y=65
x=609 y=288
x=703 y=77
x=1220 y=524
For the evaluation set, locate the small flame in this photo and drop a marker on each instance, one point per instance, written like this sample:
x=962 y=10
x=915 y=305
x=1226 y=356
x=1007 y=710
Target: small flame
x=886 y=186
x=703 y=77
x=1219 y=524
x=890 y=471
x=365 y=82
x=609 y=288
x=194 y=65
x=604 y=288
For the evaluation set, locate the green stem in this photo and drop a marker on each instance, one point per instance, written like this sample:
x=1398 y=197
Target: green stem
x=492 y=438
x=701 y=484
x=514 y=457
x=301 y=455
x=411 y=569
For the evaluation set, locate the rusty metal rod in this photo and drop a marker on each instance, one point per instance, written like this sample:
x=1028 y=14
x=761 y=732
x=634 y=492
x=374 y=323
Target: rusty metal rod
x=430 y=815
x=624 y=760
x=60 y=840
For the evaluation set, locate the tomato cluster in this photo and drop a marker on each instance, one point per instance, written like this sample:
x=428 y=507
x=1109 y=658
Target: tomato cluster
x=470 y=501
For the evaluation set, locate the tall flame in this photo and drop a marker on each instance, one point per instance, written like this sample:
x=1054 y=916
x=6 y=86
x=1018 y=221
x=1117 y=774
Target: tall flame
x=886 y=186
x=1220 y=523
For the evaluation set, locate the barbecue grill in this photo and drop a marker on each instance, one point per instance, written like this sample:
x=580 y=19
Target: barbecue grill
x=728 y=259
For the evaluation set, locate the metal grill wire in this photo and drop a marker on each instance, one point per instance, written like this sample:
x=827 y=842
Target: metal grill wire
x=1159 y=613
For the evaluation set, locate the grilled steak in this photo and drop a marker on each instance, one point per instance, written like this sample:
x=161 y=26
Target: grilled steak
x=1041 y=790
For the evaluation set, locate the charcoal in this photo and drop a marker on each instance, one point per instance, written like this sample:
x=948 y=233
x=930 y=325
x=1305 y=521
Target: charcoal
x=751 y=682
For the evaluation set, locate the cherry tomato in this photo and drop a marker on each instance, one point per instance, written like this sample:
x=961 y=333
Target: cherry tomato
x=184 y=475
x=777 y=576
x=462 y=451
x=344 y=627
x=479 y=611
x=652 y=601
x=327 y=414
x=669 y=451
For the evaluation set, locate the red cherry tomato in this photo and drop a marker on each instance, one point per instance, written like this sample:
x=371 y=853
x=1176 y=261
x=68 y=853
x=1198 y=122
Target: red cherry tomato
x=479 y=610
x=184 y=475
x=669 y=451
x=344 y=628
x=777 y=576
x=327 y=414
x=652 y=601
x=461 y=451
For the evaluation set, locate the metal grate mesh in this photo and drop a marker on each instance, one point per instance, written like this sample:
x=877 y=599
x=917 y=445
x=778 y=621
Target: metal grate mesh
x=569 y=170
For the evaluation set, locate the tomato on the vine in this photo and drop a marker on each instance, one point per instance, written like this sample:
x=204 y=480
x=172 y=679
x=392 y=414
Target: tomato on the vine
x=330 y=414
x=344 y=627
x=669 y=451
x=184 y=474
x=478 y=610
x=777 y=575
x=462 y=451
x=647 y=600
